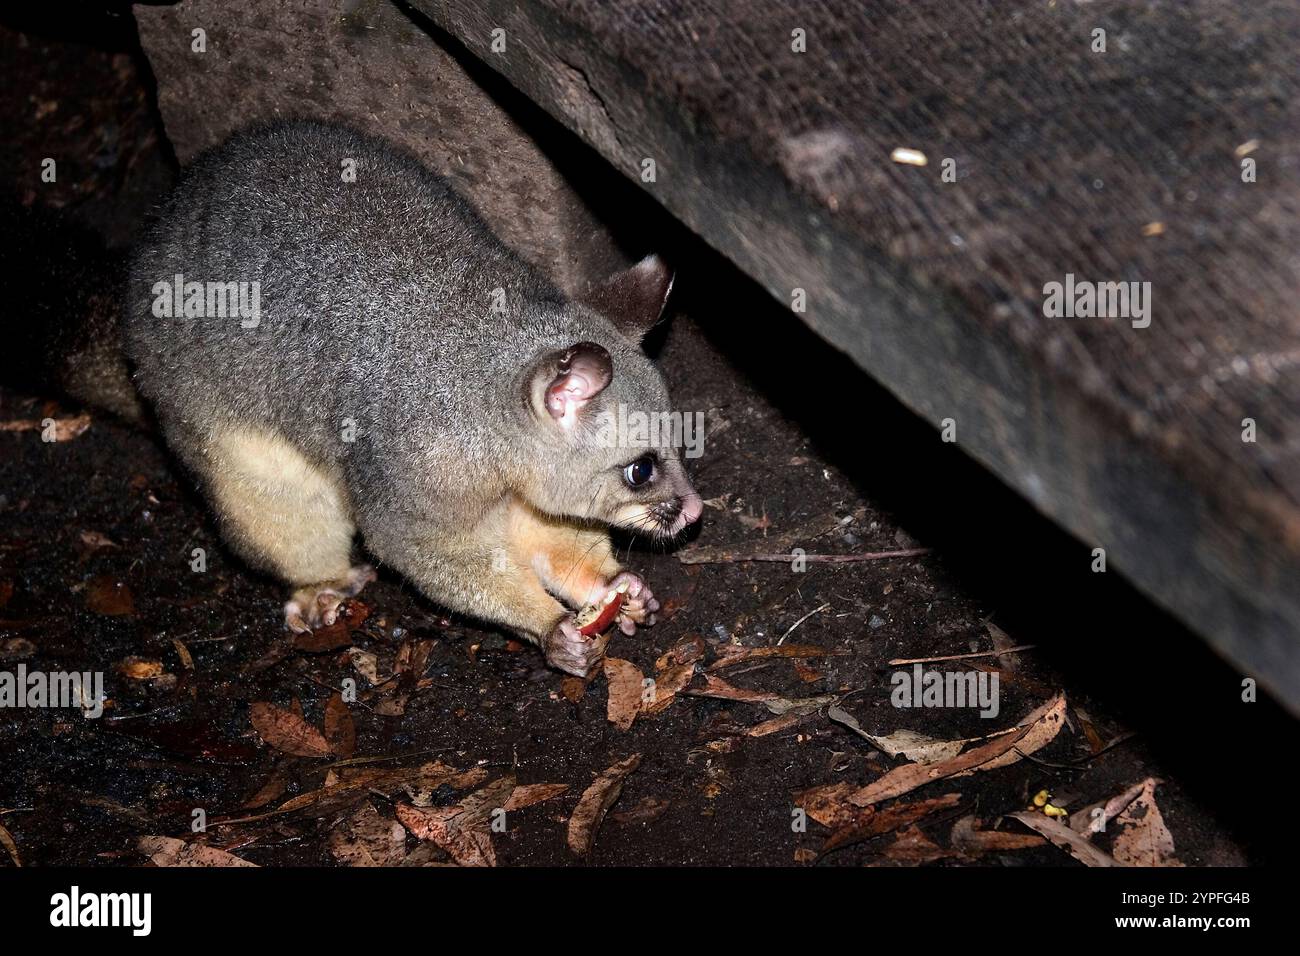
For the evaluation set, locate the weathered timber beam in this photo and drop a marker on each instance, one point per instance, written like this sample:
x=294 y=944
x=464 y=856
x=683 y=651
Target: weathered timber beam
x=1123 y=156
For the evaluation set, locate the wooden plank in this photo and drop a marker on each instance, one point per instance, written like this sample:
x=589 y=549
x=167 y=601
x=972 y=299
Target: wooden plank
x=1115 y=166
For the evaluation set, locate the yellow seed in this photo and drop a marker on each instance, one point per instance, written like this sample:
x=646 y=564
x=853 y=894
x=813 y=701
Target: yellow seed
x=1041 y=798
x=1052 y=811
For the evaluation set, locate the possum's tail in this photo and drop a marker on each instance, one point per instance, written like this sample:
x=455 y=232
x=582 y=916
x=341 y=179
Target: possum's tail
x=61 y=294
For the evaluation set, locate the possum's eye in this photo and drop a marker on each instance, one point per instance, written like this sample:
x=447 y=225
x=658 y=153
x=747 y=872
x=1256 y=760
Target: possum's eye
x=640 y=471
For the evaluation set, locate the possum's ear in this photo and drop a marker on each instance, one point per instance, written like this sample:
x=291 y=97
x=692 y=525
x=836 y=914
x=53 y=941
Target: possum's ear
x=564 y=382
x=633 y=299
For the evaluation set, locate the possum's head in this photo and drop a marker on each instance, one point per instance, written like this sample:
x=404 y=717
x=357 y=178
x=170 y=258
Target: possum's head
x=610 y=447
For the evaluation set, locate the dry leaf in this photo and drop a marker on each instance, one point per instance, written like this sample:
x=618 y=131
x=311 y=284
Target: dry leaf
x=1095 y=743
x=719 y=688
x=776 y=724
x=166 y=851
x=596 y=801
x=344 y=787
x=1044 y=724
x=917 y=747
x=340 y=731
x=16 y=649
x=137 y=668
x=273 y=789
x=573 y=688
x=286 y=731
x=975 y=843
x=1038 y=729
x=461 y=830
x=7 y=841
x=828 y=804
x=367 y=665
x=94 y=541
x=1141 y=837
x=873 y=823
x=625 y=691
x=1095 y=817
x=328 y=637
x=413 y=657
x=798 y=705
x=64 y=428
x=426 y=777
x=352 y=782
x=367 y=839
x=1001 y=642
x=107 y=595
x=667 y=685
x=531 y=793
x=1073 y=843
x=686 y=651
x=183 y=652
x=647 y=809
x=809 y=675
x=913 y=848
x=906 y=743
x=910 y=776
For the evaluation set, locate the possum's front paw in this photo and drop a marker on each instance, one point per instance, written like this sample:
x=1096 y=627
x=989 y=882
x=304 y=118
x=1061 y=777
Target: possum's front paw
x=311 y=607
x=568 y=650
x=640 y=606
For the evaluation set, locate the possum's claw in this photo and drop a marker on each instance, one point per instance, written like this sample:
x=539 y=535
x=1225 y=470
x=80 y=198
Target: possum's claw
x=566 y=649
x=318 y=604
x=640 y=606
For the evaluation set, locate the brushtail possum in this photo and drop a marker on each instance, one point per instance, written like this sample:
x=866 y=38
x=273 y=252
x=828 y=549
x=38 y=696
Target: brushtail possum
x=333 y=342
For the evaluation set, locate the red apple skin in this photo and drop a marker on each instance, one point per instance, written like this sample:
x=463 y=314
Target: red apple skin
x=605 y=618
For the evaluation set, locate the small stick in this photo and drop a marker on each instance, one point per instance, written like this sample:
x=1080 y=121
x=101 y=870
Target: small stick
x=959 y=657
x=733 y=557
x=355 y=761
x=800 y=621
x=1075 y=764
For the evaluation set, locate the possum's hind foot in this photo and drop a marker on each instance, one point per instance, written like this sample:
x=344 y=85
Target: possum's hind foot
x=318 y=604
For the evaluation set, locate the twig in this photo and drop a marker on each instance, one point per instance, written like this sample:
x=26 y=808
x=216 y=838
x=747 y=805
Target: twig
x=800 y=621
x=356 y=761
x=735 y=557
x=807 y=531
x=755 y=666
x=1076 y=764
x=898 y=661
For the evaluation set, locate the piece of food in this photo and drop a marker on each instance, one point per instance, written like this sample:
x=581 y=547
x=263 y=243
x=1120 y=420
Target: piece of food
x=596 y=617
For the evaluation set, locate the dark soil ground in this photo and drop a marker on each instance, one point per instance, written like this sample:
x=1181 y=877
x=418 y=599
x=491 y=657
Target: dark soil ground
x=97 y=534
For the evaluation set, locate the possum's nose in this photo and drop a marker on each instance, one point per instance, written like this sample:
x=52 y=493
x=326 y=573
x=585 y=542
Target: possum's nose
x=689 y=509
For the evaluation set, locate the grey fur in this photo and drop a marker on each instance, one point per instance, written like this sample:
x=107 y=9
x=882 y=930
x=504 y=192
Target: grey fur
x=376 y=306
